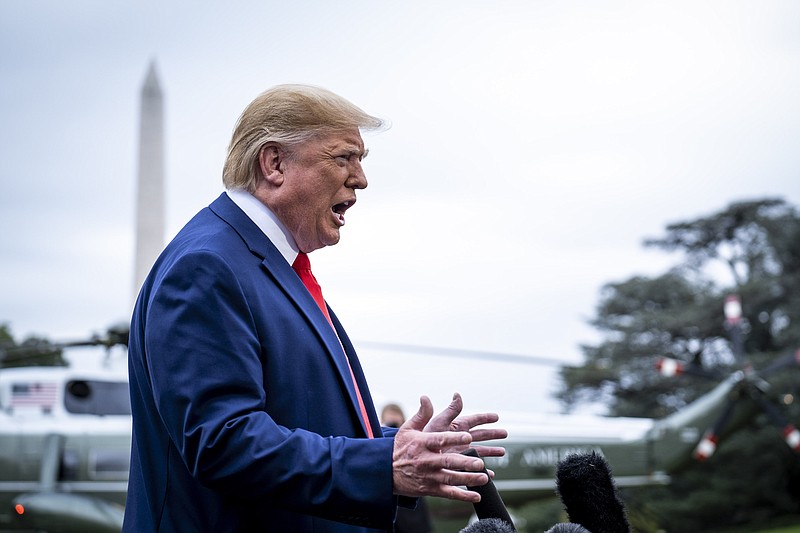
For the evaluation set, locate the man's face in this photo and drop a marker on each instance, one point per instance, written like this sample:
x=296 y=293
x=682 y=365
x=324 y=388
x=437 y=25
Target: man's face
x=319 y=182
x=392 y=419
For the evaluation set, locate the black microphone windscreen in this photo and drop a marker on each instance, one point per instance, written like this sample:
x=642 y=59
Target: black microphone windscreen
x=589 y=495
x=567 y=527
x=491 y=504
x=489 y=525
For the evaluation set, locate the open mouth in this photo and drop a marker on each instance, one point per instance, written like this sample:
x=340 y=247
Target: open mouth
x=339 y=209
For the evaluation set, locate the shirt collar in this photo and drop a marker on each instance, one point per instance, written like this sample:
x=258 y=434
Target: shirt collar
x=267 y=222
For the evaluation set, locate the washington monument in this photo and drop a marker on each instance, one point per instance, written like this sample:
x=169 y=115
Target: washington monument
x=150 y=182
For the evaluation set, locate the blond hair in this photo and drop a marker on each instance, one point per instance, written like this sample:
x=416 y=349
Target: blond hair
x=287 y=115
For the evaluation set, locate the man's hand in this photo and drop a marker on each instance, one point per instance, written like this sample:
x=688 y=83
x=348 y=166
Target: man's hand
x=448 y=420
x=427 y=462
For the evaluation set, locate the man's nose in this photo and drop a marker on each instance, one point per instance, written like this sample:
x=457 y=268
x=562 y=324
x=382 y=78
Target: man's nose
x=357 y=179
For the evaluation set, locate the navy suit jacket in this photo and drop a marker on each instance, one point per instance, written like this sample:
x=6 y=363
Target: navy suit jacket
x=245 y=417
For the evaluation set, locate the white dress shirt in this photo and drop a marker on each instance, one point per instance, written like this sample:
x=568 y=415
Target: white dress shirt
x=267 y=222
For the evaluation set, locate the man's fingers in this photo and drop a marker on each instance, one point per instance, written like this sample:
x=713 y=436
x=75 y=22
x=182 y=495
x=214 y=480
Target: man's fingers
x=446 y=480
x=456 y=493
x=444 y=420
x=422 y=416
x=444 y=441
x=467 y=422
x=455 y=407
x=458 y=463
x=490 y=451
x=427 y=459
x=468 y=479
x=481 y=435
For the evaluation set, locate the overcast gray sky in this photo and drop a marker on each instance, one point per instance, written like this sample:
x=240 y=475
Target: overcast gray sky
x=533 y=146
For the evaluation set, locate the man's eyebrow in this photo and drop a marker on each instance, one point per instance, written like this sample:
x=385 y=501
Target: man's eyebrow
x=356 y=150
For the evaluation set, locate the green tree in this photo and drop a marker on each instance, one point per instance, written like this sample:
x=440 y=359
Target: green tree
x=751 y=249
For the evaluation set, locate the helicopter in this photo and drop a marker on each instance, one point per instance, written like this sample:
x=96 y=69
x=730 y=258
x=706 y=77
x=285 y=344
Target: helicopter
x=65 y=440
x=641 y=451
x=646 y=451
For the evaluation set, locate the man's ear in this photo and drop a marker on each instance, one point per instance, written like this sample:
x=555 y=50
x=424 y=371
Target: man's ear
x=270 y=159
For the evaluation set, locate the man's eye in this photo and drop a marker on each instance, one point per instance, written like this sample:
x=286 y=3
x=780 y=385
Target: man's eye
x=349 y=157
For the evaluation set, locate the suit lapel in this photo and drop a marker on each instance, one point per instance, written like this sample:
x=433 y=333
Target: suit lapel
x=358 y=373
x=276 y=267
x=297 y=292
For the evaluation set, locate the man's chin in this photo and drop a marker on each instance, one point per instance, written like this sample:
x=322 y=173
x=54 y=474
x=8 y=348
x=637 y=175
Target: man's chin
x=332 y=239
x=328 y=239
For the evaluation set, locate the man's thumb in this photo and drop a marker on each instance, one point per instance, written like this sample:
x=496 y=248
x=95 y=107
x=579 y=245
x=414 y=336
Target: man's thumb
x=423 y=415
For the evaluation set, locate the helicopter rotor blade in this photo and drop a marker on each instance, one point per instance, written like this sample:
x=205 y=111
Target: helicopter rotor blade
x=43 y=350
x=784 y=362
x=790 y=433
x=708 y=444
x=462 y=354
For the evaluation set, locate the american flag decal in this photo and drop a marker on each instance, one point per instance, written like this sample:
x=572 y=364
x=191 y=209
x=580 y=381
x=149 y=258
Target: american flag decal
x=42 y=394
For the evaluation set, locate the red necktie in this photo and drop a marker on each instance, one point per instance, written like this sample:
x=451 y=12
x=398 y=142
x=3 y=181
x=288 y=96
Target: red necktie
x=302 y=266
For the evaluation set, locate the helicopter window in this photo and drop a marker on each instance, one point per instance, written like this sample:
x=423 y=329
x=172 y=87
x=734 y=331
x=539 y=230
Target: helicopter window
x=79 y=389
x=97 y=397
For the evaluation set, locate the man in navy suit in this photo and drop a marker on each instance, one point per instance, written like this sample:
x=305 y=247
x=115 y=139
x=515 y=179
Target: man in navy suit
x=250 y=408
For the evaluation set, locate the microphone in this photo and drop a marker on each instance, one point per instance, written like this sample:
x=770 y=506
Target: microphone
x=589 y=495
x=489 y=525
x=567 y=527
x=491 y=505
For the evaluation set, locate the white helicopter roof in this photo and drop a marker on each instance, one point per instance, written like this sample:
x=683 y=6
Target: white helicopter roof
x=66 y=393
x=548 y=427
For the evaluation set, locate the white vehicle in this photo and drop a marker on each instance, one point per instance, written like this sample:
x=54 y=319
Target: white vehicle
x=65 y=437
